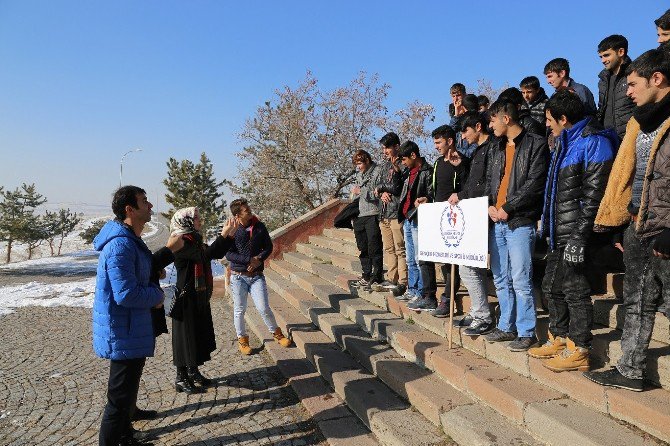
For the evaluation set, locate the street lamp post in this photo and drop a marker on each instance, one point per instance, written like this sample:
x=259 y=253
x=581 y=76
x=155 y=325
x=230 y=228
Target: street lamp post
x=121 y=169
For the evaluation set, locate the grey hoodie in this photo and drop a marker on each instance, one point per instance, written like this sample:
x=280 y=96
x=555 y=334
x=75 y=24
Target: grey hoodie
x=368 y=204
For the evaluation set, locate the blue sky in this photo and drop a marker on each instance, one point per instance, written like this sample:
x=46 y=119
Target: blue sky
x=85 y=81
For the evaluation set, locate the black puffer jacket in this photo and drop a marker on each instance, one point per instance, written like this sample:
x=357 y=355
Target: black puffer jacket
x=576 y=183
x=527 y=178
x=531 y=125
x=421 y=187
x=536 y=107
x=475 y=185
x=623 y=105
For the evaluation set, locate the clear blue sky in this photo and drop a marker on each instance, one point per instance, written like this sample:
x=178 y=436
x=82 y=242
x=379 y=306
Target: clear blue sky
x=82 y=82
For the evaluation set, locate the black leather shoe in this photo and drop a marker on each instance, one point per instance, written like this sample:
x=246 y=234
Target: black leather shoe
x=614 y=378
x=198 y=377
x=184 y=384
x=141 y=414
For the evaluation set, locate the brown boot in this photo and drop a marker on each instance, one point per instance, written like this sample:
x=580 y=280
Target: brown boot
x=244 y=345
x=280 y=338
x=554 y=346
x=571 y=358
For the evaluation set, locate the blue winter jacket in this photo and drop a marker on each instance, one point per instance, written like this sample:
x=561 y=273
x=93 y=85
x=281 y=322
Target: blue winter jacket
x=122 y=327
x=578 y=174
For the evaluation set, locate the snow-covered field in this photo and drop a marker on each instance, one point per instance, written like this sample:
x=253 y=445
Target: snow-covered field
x=77 y=259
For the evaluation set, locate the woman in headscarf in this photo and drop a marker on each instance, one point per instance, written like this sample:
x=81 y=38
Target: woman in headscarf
x=192 y=328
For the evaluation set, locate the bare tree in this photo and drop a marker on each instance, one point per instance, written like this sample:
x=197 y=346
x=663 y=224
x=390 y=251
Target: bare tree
x=485 y=87
x=412 y=123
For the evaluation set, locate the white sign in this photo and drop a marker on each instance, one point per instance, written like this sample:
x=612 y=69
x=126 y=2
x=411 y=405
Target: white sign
x=455 y=234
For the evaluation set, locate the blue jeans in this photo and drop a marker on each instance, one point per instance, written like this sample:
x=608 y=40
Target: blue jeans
x=241 y=286
x=512 y=268
x=411 y=232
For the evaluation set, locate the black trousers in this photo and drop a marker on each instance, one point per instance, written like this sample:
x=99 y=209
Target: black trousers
x=369 y=243
x=568 y=295
x=122 y=388
x=430 y=281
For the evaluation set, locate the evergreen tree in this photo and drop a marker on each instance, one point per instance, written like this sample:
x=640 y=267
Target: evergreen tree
x=191 y=184
x=57 y=226
x=89 y=233
x=17 y=216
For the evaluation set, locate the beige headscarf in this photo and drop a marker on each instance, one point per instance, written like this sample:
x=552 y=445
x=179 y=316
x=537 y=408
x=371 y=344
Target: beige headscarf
x=183 y=221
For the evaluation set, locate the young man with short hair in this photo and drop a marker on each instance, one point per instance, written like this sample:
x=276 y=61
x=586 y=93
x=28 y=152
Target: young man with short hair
x=534 y=98
x=663 y=28
x=483 y=103
x=514 y=96
x=388 y=190
x=457 y=93
x=449 y=171
x=614 y=107
x=416 y=184
x=517 y=173
x=474 y=130
x=558 y=76
x=637 y=193
x=366 y=226
x=578 y=174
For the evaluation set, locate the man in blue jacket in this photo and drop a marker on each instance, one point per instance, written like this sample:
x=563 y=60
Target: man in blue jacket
x=575 y=186
x=122 y=327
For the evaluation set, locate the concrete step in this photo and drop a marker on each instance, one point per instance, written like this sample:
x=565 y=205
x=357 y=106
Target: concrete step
x=390 y=419
x=337 y=423
x=340 y=234
x=339 y=245
x=423 y=389
x=503 y=390
x=347 y=262
x=611 y=313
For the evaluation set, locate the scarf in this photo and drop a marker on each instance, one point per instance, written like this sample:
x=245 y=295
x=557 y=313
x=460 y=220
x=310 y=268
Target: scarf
x=202 y=271
x=651 y=116
x=182 y=221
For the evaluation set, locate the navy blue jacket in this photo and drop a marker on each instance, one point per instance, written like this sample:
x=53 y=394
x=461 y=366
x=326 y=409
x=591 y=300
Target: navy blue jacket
x=252 y=241
x=122 y=327
x=578 y=174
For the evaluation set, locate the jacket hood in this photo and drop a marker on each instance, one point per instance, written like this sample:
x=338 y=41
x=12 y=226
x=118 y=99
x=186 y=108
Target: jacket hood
x=110 y=231
x=605 y=73
x=590 y=126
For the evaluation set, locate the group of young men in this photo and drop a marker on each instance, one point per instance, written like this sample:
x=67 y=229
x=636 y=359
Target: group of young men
x=589 y=175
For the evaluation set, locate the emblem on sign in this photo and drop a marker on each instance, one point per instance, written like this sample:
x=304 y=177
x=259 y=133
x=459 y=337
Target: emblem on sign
x=452 y=225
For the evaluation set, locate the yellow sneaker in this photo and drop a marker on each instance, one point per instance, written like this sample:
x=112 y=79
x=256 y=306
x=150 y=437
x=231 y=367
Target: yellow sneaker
x=571 y=358
x=245 y=349
x=280 y=338
x=551 y=348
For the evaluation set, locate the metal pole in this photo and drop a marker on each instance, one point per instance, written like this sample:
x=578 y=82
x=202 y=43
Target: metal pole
x=451 y=304
x=121 y=166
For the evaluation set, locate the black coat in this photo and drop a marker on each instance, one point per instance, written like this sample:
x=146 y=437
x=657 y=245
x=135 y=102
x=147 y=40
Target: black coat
x=525 y=190
x=192 y=327
x=390 y=181
x=623 y=105
x=475 y=184
x=422 y=187
x=345 y=217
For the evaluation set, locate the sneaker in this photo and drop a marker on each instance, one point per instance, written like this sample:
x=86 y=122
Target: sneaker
x=441 y=311
x=362 y=283
x=522 y=343
x=406 y=296
x=479 y=327
x=415 y=298
x=378 y=285
x=497 y=335
x=614 y=378
x=399 y=291
x=387 y=285
x=464 y=322
x=423 y=304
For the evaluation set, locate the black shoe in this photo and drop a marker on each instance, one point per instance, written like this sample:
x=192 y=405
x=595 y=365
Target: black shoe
x=141 y=414
x=465 y=322
x=521 y=344
x=184 y=384
x=399 y=290
x=425 y=303
x=614 y=378
x=479 y=327
x=198 y=378
x=133 y=440
x=441 y=311
x=497 y=335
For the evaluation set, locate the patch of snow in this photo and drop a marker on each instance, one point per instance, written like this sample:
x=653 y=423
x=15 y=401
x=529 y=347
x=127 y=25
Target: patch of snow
x=71 y=294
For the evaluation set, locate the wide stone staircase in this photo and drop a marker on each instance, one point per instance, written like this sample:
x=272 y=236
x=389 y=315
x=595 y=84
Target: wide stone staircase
x=370 y=371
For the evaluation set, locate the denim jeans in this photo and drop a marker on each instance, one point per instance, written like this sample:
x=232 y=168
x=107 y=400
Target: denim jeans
x=475 y=281
x=646 y=287
x=512 y=267
x=414 y=282
x=241 y=286
x=569 y=299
